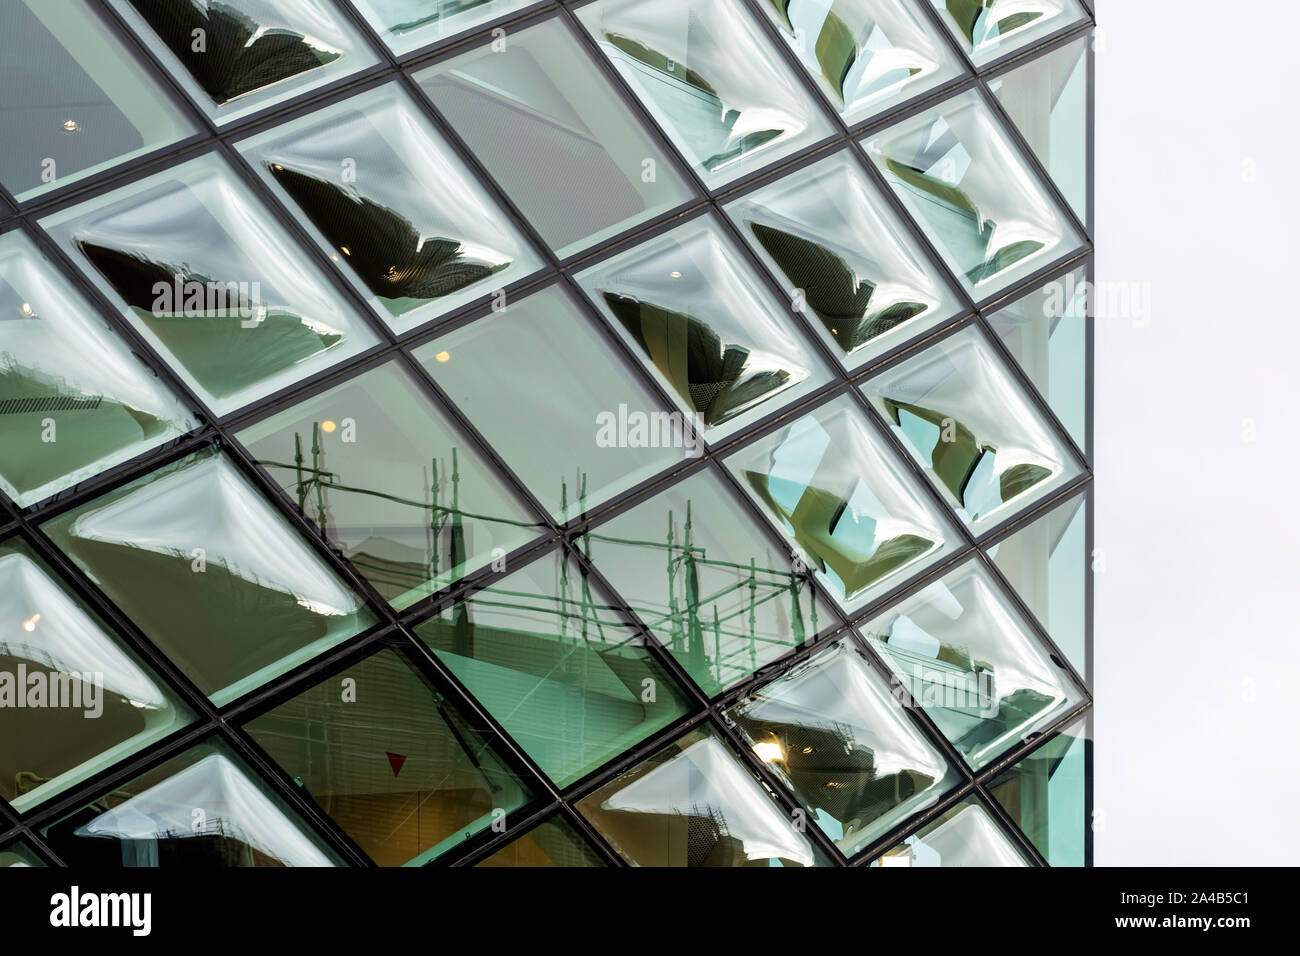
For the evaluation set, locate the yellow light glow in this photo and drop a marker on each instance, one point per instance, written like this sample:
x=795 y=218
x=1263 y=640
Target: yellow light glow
x=327 y=426
x=29 y=625
x=27 y=309
x=345 y=250
x=768 y=751
x=443 y=356
x=675 y=275
x=71 y=125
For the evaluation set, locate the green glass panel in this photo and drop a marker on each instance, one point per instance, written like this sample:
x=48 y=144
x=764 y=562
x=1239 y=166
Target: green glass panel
x=376 y=465
x=832 y=486
x=966 y=835
x=552 y=843
x=391 y=760
x=1046 y=795
x=67 y=414
x=545 y=123
x=19 y=855
x=695 y=804
x=406 y=25
x=73 y=699
x=713 y=590
x=586 y=437
x=209 y=279
x=972 y=663
x=202 y=809
x=207 y=569
x=74 y=100
x=988 y=29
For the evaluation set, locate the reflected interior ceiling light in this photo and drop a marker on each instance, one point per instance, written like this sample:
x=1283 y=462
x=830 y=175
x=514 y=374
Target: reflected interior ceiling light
x=443 y=356
x=675 y=274
x=768 y=751
x=327 y=426
x=71 y=125
x=27 y=309
x=345 y=250
x=29 y=625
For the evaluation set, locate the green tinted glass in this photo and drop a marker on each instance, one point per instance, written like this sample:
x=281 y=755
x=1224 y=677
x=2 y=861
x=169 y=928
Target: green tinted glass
x=1046 y=794
x=406 y=25
x=19 y=855
x=552 y=843
x=966 y=835
x=989 y=29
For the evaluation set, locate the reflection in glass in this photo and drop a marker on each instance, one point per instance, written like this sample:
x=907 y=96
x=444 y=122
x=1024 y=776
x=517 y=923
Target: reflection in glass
x=391 y=482
x=988 y=29
x=390 y=200
x=705 y=72
x=390 y=760
x=549 y=129
x=707 y=582
x=211 y=282
x=19 y=855
x=406 y=25
x=828 y=233
x=1046 y=794
x=200 y=810
x=833 y=487
x=697 y=315
x=975 y=196
x=551 y=843
x=966 y=835
x=550 y=659
x=968 y=424
x=695 y=804
x=833 y=734
x=211 y=574
x=67 y=414
x=971 y=662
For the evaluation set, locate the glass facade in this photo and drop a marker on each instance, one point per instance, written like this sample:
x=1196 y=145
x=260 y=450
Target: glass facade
x=536 y=434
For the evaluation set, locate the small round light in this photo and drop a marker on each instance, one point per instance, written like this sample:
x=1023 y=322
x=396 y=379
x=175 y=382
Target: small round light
x=443 y=356
x=71 y=126
x=327 y=426
x=675 y=274
x=29 y=625
x=27 y=309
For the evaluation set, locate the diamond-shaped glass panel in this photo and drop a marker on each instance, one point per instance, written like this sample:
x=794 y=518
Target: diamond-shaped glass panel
x=1046 y=794
x=966 y=835
x=988 y=29
x=407 y=25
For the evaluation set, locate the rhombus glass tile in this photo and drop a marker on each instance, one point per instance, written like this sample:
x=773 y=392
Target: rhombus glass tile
x=540 y=116
x=827 y=235
x=989 y=29
x=74 y=400
x=559 y=405
x=237 y=56
x=399 y=490
x=549 y=658
x=832 y=486
x=973 y=664
x=983 y=445
x=711 y=80
x=73 y=99
x=202 y=809
x=969 y=188
x=391 y=760
x=392 y=205
x=702 y=576
x=551 y=843
x=832 y=732
x=695 y=804
x=208 y=278
x=704 y=324
x=1046 y=795
x=966 y=835
x=19 y=855
x=73 y=699
x=865 y=55
x=206 y=568
x=407 y=25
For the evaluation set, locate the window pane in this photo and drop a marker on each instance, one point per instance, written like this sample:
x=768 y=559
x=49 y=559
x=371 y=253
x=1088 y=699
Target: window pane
x=988 y=29
x=67 y=414
x=392 y=483
x=695 y=804
x=19 y=855
x=391 y=760
x=1046 y=794
x=74 y=100
x=552 y=843
x=966 y=835
x=202 y=809
x=211 y=574
x=407 y=25
x=550 y=660
x=390 y=201
x=73 y=699
x=836 y=490
x=214 y=285
x=544 y=121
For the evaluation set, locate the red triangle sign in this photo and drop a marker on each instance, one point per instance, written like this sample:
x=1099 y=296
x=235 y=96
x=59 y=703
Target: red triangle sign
x=395 y=761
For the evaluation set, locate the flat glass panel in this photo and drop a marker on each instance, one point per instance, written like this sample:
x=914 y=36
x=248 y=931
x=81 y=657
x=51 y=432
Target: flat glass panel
x=202 y=809
x=710 y=79
x=988 y=29
x=966 y=421
x=392 y=205
x=391 y=761
x=1046 y=561
x=865 y=55
x=552 y=843
x=834 y=488
x=971 y=662
x=19 y=855
x=973 y=193
x=701 y=320
x=73 y=699
x=544 y=121
x=237 y=56
x=549 y=659
x=557 y=404
x=695 y=804
x=376 y=465
x=212 y=282
x=832 y=732
x=73 y=100
x=710 y=586
x=966 y=835
x=207 y=569
x=67 y=414
x=826 y=233
x=1046 y=794
x=407 y=25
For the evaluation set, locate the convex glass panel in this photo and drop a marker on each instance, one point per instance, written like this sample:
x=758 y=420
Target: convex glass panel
x=406 y=25
x=989 y=29
x=966 y=835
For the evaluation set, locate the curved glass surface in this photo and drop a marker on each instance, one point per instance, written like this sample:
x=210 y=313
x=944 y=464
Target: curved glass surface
x=1046 y=794
x=19 y=855
x=966 y=835
x=407 y=25
x=988 y=29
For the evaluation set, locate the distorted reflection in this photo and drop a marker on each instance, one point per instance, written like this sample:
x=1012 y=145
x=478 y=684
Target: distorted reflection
x=967 y=835
x=993 y=28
